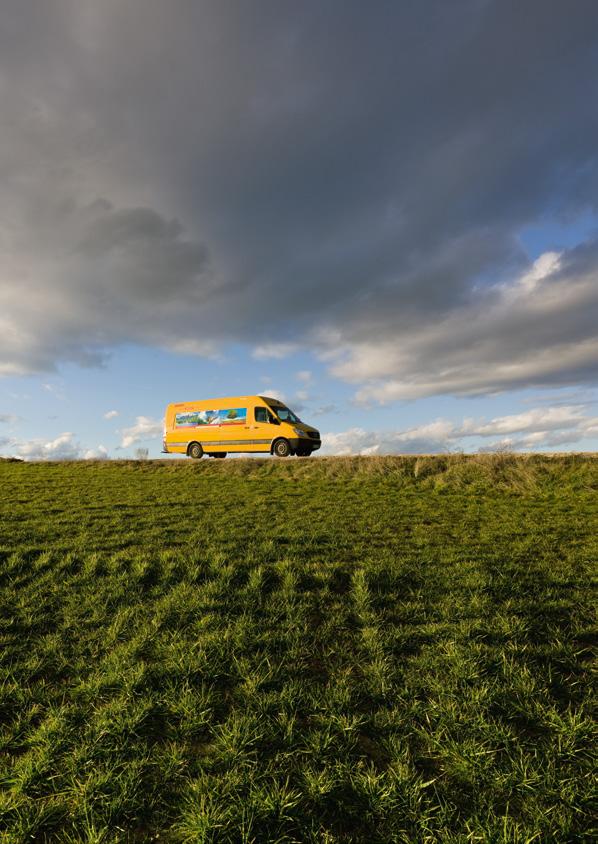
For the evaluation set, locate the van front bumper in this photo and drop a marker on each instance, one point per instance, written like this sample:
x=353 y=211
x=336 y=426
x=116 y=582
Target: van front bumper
x=304 y=444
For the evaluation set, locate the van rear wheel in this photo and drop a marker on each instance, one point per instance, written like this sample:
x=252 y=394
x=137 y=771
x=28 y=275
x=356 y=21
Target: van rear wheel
x=281 y=448
x=195 y=451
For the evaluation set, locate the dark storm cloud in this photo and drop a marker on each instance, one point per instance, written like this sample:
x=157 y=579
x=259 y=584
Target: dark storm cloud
x=346 y=176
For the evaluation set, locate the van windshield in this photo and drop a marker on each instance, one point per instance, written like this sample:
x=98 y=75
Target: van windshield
x=285 y=415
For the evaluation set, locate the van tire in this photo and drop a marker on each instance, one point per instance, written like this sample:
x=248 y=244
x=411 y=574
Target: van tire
x=281 y=448
x=195 y=451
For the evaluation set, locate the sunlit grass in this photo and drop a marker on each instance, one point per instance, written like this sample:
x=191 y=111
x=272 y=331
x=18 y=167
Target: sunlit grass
x=334 y=650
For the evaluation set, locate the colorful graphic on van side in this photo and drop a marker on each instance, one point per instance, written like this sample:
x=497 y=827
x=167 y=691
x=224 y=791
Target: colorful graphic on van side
x=234 y=416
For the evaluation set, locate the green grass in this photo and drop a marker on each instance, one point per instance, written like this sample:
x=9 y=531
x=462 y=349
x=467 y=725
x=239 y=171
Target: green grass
x=324 y=650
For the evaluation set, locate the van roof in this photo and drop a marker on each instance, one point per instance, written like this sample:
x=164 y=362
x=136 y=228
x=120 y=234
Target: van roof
x=267 y=399
x=276 y=402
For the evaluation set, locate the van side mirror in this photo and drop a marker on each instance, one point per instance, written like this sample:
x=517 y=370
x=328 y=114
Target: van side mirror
x=273 y=420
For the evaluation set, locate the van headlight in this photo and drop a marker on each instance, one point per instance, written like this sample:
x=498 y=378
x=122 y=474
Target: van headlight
x=299 y=432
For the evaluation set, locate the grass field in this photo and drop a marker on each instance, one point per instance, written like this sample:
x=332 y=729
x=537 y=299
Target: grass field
x=325 y=650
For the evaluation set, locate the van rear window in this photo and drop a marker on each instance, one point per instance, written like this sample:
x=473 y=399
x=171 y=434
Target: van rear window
x=192 y=419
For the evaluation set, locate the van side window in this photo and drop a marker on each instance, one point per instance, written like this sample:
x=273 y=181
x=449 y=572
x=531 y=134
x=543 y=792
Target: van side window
x=261 y=414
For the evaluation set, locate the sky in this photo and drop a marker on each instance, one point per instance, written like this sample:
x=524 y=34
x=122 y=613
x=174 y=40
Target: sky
x=384 y=213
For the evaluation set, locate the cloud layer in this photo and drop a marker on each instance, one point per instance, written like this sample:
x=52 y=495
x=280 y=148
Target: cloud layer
x=62 y=447
x=352 y=180
x=144 y=429
x=543 y=428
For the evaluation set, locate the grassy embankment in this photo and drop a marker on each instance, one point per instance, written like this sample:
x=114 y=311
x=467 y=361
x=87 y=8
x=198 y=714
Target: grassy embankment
x=367 y=650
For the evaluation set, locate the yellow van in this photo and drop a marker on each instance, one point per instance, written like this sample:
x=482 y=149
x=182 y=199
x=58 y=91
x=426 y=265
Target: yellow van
x=236 y=424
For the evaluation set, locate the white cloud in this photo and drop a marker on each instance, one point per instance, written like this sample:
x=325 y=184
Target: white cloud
x=434 y=437
x=54 y=389
x=99 y=453
x=274 y=351
x=144 y=428
x=62 y=447
x=543 y=267
x=276 y=394
x=305 y=376
x=511 y=335
x=111 y=414
x=302 y=395
x=538 y=419
x=437 y=431
x=352 y=441
x=539 y=429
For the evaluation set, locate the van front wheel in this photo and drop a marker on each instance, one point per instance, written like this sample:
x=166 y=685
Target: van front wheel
x=195 y=451
x=281 y=448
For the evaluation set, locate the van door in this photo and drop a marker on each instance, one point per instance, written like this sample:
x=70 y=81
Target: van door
x=263 y=429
